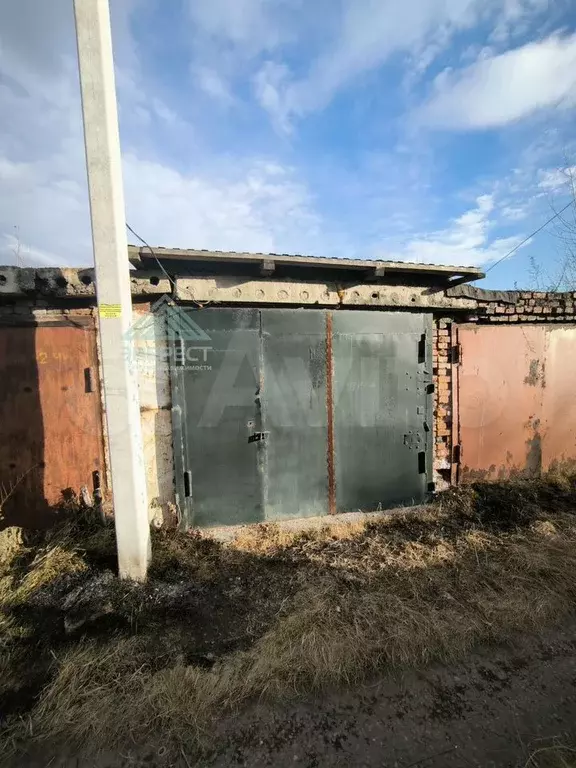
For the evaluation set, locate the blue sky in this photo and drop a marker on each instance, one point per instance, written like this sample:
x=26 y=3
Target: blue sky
x=421 y=130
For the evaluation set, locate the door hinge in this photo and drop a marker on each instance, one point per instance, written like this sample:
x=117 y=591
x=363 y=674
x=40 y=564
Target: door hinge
x=88 y=383
x=187 y=484
x=422 y=349
x=421 y=462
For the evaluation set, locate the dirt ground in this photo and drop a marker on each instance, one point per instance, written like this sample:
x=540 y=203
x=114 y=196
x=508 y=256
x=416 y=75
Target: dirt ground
x=256 y=652
x=492 y=710
x=507 y=706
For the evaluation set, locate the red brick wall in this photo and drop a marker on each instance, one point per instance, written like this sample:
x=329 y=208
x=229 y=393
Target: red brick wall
x=525 y=307
x=442 y=372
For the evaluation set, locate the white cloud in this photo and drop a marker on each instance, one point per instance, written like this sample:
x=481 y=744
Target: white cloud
x=557 y=178
x=248 y=24
x=46 y=201
x=514 y=213
x=465 y=242
x=247 y=203
x=268 y=86
x=213 y=85
x=264 y=208
x=365 y=34
x=515 y=18
x=370 y=31
x=228 y=36
x=251 y=204
x=502 y=89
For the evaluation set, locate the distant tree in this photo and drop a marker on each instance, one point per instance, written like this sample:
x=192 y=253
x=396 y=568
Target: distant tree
x=561 y=277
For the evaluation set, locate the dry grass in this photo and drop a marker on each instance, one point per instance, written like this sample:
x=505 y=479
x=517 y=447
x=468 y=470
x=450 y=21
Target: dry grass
x=556 y=756
x=24 y=569
x=400 y=592
x=267 y=538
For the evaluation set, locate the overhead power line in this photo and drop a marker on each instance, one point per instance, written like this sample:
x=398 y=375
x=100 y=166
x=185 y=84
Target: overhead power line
x=530 y=236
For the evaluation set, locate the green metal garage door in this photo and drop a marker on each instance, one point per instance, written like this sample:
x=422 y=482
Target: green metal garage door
x=295 y=413
x=382 y=416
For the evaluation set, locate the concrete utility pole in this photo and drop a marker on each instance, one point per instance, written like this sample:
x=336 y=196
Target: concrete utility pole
x=103 y=162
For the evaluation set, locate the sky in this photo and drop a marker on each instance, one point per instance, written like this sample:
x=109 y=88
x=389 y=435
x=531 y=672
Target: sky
x=434 y=131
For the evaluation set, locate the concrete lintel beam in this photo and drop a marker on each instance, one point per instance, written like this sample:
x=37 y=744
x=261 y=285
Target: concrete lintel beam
x=60 y=282
x=149 y=285
x=74 y=283
x=281 y=292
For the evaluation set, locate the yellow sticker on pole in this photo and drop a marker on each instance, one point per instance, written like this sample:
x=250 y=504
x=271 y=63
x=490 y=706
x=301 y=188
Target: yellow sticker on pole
x=110 y=311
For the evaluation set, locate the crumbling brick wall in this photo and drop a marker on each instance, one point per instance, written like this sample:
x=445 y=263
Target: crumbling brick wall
x=442 y=373
x=518 y=306
x=41 y=309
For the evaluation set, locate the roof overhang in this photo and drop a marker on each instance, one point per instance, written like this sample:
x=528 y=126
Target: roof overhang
x=176 y=260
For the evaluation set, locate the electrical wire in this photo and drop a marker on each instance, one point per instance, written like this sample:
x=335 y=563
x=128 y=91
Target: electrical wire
x=172 y=283
x=531 y=236
x=129 y=228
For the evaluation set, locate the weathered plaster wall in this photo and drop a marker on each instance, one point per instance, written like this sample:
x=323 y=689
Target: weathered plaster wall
x=156 y=415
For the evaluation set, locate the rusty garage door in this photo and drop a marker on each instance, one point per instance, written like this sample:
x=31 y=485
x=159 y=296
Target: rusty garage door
x=516 y=401
x=295 y=413
x=50 y=418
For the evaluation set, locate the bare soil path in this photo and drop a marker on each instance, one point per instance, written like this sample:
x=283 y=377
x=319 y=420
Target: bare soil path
x=493 y=709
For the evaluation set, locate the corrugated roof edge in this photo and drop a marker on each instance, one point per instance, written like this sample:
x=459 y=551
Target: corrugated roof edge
x=136 y=253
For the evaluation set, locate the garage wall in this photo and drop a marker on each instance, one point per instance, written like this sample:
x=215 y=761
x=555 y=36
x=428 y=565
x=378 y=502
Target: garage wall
x=517 y=410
